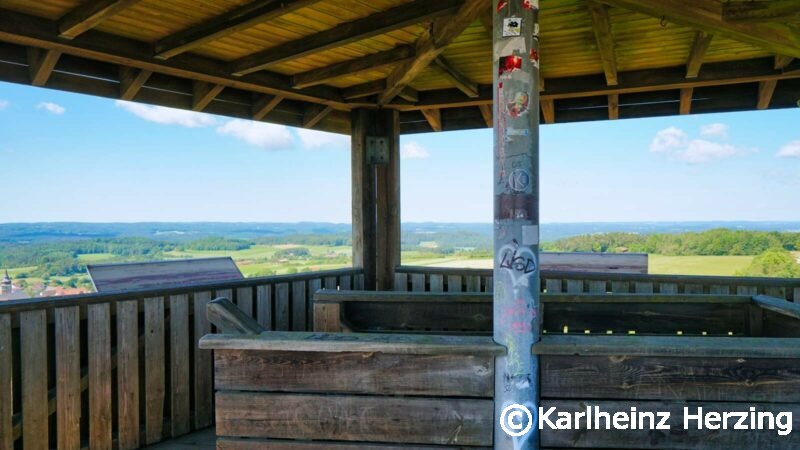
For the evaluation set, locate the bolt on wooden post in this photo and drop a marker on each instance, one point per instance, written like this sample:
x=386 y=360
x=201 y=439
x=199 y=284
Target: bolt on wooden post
x=516 y=221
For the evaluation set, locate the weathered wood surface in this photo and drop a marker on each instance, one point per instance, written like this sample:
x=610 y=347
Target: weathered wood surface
x=778 y=305
x=358 y=373
x=229 y=319
x=270 y=444
x=33 y=344
x=154 y=377
x=162 y=274
x=68 y=383
x=455 y=317
x=6 y=385
x=353 y=342
x=671 y=378
x=674 y=438
x=203 y=370
x=128 y=374
x=778 y=325
x=99 y=344
x=180 y=350
x=412 y=420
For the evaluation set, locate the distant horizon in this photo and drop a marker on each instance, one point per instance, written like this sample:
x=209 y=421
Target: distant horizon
x=311 y=222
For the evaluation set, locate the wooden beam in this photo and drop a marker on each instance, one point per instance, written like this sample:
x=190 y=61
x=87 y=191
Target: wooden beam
x=486 y=21
x=434 y=118
x=229 y=319
x=686 y=100
x=765 y=91
x=204 y=94
x=605 y=40
x=131 y=81
x=265 y=104
x=706 y=15
x=409 y=94
x=370 y=62
x=699 y=47
x=314 y=114
x=41 y=64
x=782 y=62
x=457 y=78
x=241 y=18
x=548 y=111
x=430 y=45
x=759 y=10
x=364 y=89
x=376 y=24
x=486 y=113
x=89 y=15
x=613 y=106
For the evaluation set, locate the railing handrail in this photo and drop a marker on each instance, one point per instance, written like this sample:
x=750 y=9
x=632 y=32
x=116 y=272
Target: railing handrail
x=33 y=303
x=604 y=276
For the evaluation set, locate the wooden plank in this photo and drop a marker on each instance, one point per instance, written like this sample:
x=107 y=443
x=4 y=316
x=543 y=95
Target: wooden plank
x=227 y=318
x=180 y=413
x=131 y=82
x=668 y=288
x=702 y=41
x=671 y=378
x=775 y=291
x=162 y=274
x=781 y=62
x=597 y=287
x=693 y=288
x=414 y=297
x=553 y=286
x=755 y=321
x=99 y=345
x=765 y=91
x=244 y=300
x=620 y=287
x=154 y=375
x=796 y=297
x=473 y=283
x=299 y=318
x=41 y=64
x=437 y=283
x=487 y=114
x=458 y=79
x=33 y=345
x=282 y=307
x=6 y=385
x=265 y=105
x=376 y=24
x=330 y=283
x=356 y=373
x=676 y=437
x=686 y=100
x=613 y=106
x=89 y=15
x=548 y=110
x=778 y=305
x=327 y=317
x=68 y=382
x=270 y=444
x=760 y=10
x=314 y=114
x=372 y=61
x=418 y=282
x=716 y=289
x=397 y=420
x=128 y=374
x=574 y=286
x=595 y=262
x=264 y=306
x=238 y=19
x=746 y=290
x=313 y=286
x=344 y=282
x=434 y=118
x=204 y=94
x=779 y=325
x=643 y=287
x=453 y=283
x=203 y=370
x=601 y=24
x=401 y=282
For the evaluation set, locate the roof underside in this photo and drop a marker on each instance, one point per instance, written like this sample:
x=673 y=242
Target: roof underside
x=306 y=63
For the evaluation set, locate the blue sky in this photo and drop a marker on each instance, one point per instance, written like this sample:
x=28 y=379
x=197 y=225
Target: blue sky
x=69 y=157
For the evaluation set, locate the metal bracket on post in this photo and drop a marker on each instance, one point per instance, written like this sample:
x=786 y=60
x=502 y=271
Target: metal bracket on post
x=377 y=150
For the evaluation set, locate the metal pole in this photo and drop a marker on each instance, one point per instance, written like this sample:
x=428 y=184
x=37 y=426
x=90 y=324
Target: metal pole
x=516 y=225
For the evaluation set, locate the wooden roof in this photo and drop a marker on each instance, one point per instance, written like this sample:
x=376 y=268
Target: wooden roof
x=308 y=62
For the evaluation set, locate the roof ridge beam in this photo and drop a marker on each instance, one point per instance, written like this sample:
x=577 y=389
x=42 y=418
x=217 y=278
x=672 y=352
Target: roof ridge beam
x=601 y=23
x=702 y=41
x=369 y=62
x=706 y=15
x=379 y=23
x=89 y=15
x=241 y=18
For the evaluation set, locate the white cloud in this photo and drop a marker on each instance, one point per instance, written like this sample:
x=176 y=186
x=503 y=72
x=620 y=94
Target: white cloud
x=790 y=150
x=676 y=144
x=313 y=139
x=4 y=104
x=413 y=150
x=260 y=134
x=718 y=130
x=167 y=116
x=51 y=108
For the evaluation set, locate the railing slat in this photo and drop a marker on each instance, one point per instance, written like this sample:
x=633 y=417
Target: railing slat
x=345 y=282
x=244 y=300
x=620 y=287
x=282 y=307
x=264 y=306
x=454 y=283
x=99 y=345
x=719 y=290
x=6 y=388
x=128 y=374
x=418 y=282
x=553 y=286
x=33 y=346
x=693 y=288
x=179 y=365
x=643 y=287
x=597 y=287
x=203 y=374
x=668 y=288
x=574 y=286
x=330 y=282
x=299 y=306
x=473 y=283
x=313 y=286
x=68 y=381
x=437 y=283
x=401 y=282
x=746 y=290
x=154 y=376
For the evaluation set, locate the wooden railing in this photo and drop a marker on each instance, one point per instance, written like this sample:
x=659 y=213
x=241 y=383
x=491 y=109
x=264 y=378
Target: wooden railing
x=123 y=370
x=437 y=279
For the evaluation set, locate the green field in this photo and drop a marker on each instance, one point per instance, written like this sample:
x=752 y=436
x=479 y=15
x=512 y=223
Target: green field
x=698 y=265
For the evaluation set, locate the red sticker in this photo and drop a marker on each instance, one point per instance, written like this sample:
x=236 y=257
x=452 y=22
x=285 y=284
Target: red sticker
x=530 y=4
x=534 y=56
x=509 y=64
x=502 y=4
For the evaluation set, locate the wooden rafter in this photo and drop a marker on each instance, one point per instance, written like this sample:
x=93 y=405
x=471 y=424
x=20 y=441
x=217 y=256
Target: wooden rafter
x=706 y=15
x=241 y=18
x=364 y=90
x=89 y=15
x=370 y=62
x=487 y=21
x=766 y=89
x=456 y=77
x=686 y=101
x=613 y=106
x=434 y=118
x=548 y=111
x=759 y=10
x=41 y=64
x=782 y=62
x=204 y=94
x=265 y=104
x=379 y=23
x=430 y=45
x=314 y=114
x=409 y=94
x=702 y=41
x=131 y=81
x=605 y=40
x=486 y=113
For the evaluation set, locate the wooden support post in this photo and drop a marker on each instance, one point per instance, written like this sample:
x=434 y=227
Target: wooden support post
x=686 y=100
x=376 y=197
x=516 y=233
x=229 y=319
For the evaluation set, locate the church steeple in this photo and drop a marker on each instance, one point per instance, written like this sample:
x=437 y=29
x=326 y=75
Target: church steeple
x=5 y=285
